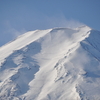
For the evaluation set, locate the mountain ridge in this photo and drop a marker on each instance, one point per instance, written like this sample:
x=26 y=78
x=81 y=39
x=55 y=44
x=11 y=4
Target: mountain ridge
x=53 y=64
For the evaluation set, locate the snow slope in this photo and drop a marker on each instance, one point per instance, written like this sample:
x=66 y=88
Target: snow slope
x=53 y=64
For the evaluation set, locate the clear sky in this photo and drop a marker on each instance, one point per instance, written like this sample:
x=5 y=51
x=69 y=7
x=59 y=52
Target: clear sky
x=20 y=16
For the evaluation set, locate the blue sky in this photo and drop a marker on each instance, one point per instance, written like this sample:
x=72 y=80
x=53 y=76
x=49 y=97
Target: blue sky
x=20 y=16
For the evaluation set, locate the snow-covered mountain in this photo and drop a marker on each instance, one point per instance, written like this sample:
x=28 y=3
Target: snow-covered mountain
x=53 y=64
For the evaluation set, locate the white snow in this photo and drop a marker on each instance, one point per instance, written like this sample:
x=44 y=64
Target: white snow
x=53 y=64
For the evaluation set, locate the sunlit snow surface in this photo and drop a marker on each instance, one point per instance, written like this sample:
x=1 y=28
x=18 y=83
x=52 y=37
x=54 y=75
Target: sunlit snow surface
x=53 y=64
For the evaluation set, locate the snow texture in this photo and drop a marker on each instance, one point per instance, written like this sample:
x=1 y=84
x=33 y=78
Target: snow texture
x=53 y=64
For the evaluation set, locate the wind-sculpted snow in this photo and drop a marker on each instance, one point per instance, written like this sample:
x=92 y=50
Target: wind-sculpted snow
x=53 y=64
x=17 y=71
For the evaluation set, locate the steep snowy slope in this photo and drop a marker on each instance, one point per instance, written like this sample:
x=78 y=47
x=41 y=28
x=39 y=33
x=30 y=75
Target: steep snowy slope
x=53 y=64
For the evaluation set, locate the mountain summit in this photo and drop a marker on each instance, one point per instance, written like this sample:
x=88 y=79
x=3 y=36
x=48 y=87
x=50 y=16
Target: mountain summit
x=52 y=64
